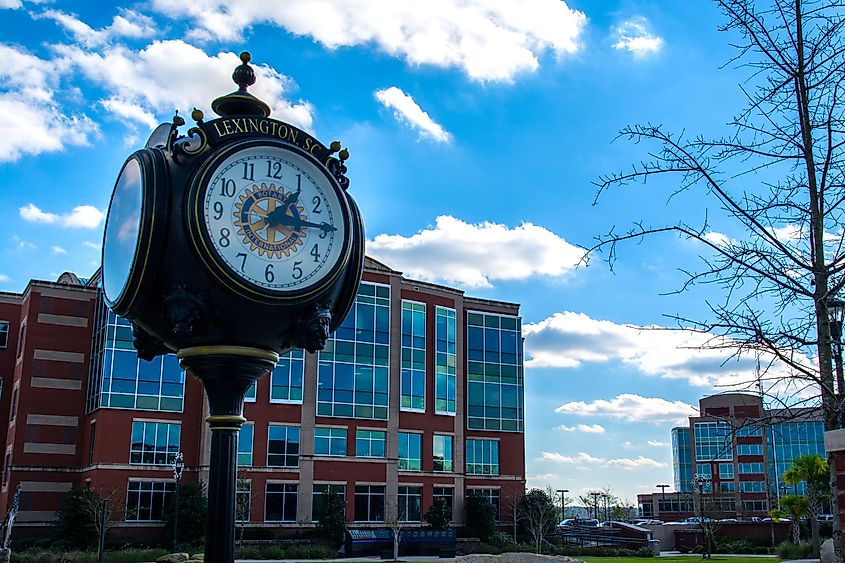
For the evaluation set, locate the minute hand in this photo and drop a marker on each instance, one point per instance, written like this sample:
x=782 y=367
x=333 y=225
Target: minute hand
x=298 y=223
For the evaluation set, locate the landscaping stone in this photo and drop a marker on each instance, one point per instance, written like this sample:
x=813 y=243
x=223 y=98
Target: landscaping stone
x=198 y=557
x=173 y=558
x=515 y=558
x=827 y=555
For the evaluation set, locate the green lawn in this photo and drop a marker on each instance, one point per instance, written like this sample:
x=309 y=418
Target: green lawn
x=680 y=559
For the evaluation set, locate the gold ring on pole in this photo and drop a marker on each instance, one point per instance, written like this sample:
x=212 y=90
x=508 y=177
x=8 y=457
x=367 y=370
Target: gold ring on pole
x=235 y=418
x=228 y=351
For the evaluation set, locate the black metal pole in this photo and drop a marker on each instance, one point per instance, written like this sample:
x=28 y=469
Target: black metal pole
x=176 y=517
x=227 y=373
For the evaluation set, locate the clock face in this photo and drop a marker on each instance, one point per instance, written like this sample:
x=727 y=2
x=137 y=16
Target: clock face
x=274 y=219
x=122 y=227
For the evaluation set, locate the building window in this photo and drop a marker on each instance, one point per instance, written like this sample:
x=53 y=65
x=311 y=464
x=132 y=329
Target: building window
x=726 y=471
x=245 y=438
x=318 y=498
x=682 y=459
x=750 y=468
x=21 y=340
x=145 y=500
x=410 y=451
x=713 y=441
x=749 y=431
x=7 y=468
x=13 y=412
x=442 y=452
x=482 y=457
x=444 y=493
x=283 y=446
x=410 y=504
x=154 y=443
x=251 y=392
x=749 y=449
x=491 y=495
x=369 y=503
x=4 y=334
x=445 y=361
x=727 y=487
x=752 y=486
x=370 y=443
x=755 y=505
x=330 y=441
x=92 y=435
x=286 y=379
x=413 y=356
x=353 y=372
x=243 y=500
x=280 y=502
x=124 y=381
x=494 y=372
x=788 y=440
x=673 y=505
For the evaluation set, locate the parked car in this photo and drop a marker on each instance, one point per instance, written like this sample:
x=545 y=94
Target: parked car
x=825 y=518
x=727 y=520
x=778 y=520
x=587 y=522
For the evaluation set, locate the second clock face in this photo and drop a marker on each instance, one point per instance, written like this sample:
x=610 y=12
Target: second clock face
x=274 y=218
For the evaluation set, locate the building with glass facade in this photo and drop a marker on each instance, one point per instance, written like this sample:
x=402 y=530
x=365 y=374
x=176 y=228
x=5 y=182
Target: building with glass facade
x=742 y=449
x=418 y=395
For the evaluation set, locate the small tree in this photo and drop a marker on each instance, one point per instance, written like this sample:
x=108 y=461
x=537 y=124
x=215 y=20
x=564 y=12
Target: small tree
x=332 y=521
x=480 y=516
x=797 y=507
x=538 y=514
x=439 y=515
x=193 y=507
x=80 y=516
x=243 y=503
x=813 y=470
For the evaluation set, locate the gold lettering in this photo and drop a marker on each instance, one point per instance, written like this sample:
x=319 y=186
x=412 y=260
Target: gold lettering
x=263 y=126
x=273 y=134
x=308 y=141
x=227 y=125
x=283 y=131
x=217 y=128
x=293 y=135
x=253 y=125
x=238 y=126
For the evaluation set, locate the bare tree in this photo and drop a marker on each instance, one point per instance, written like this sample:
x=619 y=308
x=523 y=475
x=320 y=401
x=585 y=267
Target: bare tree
x=512 y=498
x=243 y=503
x=538 y=513
x=778 y=177
x=395 y=522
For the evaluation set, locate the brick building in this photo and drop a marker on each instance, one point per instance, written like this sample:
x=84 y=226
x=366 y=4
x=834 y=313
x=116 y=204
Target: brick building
x=742 y=449
x=418 y=395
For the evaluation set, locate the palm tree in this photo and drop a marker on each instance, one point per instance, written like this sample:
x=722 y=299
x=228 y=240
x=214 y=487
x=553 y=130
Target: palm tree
x=796 y=506
x=813 y=470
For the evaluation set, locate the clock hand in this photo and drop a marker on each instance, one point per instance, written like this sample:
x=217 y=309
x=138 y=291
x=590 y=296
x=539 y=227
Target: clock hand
x=297 y=224
x=274 y=217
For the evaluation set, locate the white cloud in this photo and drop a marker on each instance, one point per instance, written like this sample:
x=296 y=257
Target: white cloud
x=27 y=88
x=59 y=250
x=4 y=277
x=128 y=24
x=406 y=110
x=92 y=245
x=581 y=458
x=568 y=339
x=633 y=36
x=633 y=408
x=657 y=443
x=487 y=39
x=168 y=75
x=23 y=244
x=639 y=463
x=470 y=255
x=82 y=216
x=10 y=5
x=719 y=239
x=587 y=428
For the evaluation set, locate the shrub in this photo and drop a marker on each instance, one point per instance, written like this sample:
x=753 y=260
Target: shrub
x=193 y=507
x=76 y=525
x=273 y=552
x=439 y=515
x=480 y=516
x=247 y=553
x=789 y=550
x=332 y=523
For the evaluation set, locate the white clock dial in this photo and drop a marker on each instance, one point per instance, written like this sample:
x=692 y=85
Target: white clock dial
x=274 y=218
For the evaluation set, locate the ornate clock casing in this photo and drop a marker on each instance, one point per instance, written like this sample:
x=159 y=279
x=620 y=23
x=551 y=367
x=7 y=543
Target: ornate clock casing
x=240 y=233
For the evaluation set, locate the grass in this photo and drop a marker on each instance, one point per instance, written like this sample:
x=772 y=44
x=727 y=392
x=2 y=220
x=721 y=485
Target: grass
x=679 y=559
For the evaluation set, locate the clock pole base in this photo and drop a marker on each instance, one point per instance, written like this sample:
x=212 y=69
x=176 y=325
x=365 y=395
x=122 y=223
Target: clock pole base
x=226 y=372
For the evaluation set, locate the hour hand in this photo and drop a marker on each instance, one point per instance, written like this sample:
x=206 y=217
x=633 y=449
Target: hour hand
x=323 y=226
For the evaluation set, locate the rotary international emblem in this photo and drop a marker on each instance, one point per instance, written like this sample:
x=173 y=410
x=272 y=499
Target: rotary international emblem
x=270 y=221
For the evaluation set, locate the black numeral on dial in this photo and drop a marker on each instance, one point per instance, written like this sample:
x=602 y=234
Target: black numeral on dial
x=316 y=201
x=249 y=171
x=297 y=271
x=242 y=256
x=268 y=273
x=227 y=187
x=274 y=170
x=224 y=237
x=315 y=252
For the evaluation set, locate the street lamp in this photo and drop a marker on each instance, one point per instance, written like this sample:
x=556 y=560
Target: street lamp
x=699 y=483
x=663 y=495
x=836 y=312
x=563 y=503
x=178 y=467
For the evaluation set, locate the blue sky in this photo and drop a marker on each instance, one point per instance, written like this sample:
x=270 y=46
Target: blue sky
x=476 y=131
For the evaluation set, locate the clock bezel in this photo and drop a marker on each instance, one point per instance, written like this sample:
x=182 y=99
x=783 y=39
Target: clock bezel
x=211 y=259
x=154 y=187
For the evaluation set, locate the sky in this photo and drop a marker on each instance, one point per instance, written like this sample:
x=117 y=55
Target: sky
x=477 y=130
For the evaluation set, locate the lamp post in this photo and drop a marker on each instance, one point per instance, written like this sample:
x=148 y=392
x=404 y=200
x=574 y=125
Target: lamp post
x=178 y=467
x=563 y=503
x=699 y=482
x=663 y=494
x=836 y=312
